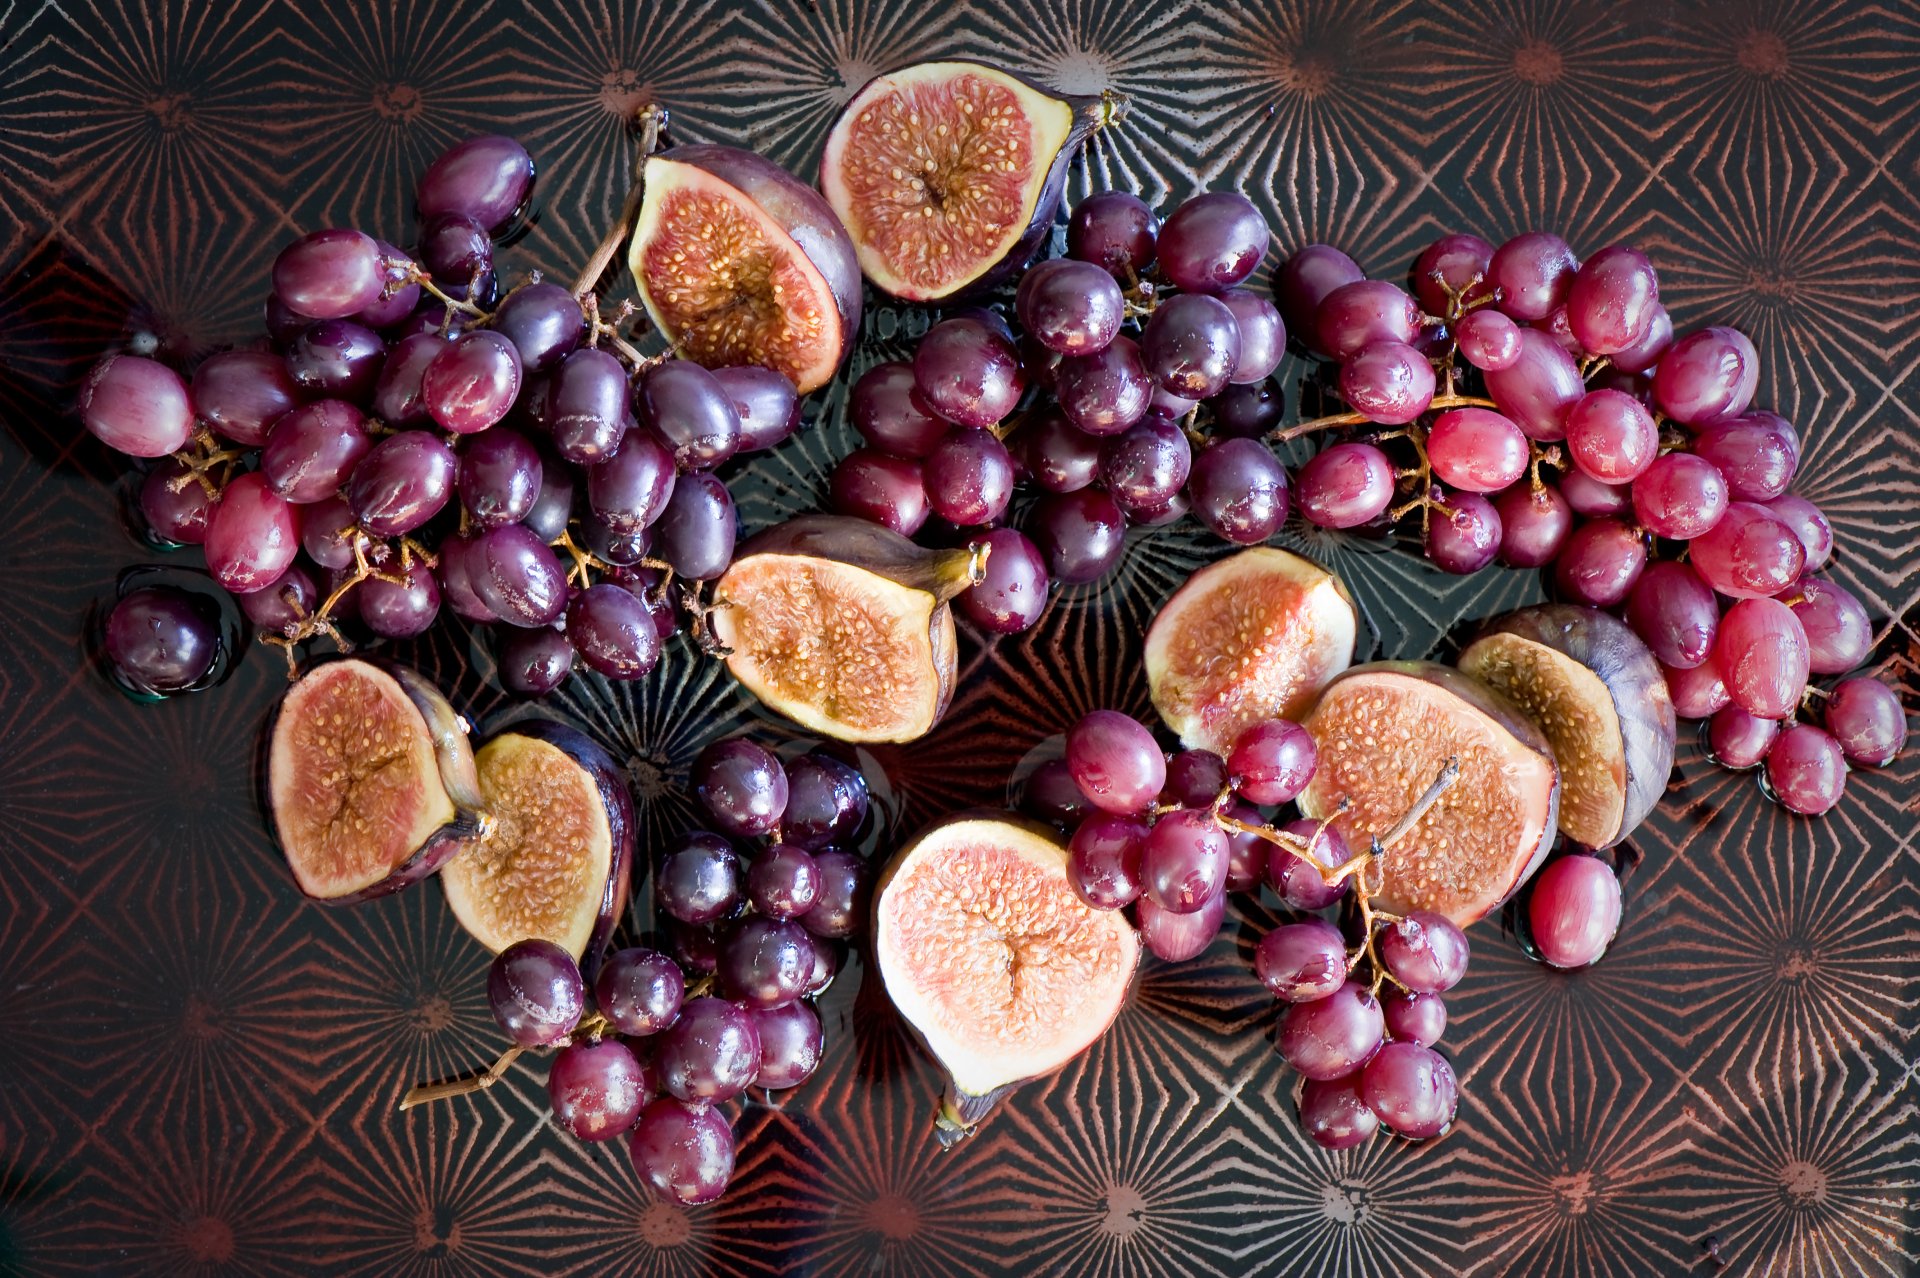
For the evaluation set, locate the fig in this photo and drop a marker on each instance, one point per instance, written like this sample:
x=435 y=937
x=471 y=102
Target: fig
x=1383 y=731
x=738 y=262
x=370 y=781
x=1594 y=690
x=1254 y=636
x=844 y=626
x=556 y=860
x=1003 y=972
x=948 y=174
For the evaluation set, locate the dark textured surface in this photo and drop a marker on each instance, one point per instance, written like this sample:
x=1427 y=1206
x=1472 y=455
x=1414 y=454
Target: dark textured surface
x=198 y=1070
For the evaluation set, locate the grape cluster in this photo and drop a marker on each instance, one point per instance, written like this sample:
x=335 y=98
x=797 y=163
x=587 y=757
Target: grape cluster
x=414 y=440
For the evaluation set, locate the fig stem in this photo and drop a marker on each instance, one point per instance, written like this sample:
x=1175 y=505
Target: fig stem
x=424 y=1092
x=652 y=119
x=1449 y=773
x=1439 y=404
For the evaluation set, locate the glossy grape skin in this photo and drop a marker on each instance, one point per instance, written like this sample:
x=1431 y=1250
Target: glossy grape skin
x=1070 y=307
x=328 y=532
x=1344 y=486
x=791 y=1042
x=1675 y=613
x=1115 y=762
x=1738 y=740
x=1463 y=532
x=1600 y=563
x=282 y=321
x=1304 y=281
x=457 y=251
x=630 y=489
x=310 y=451
x=457 y=560
x=1680 y=496
x=766 y=402
x=398 y=398
x=587 y=406
x=765 y=962
x=1115 y=230
x=1539 y=388
x=1611 y=302
x=888 y=490
x=162 y=639
x=1709 y=374
x=1190 y=346
x=967 y=372
x=337 y=359
x=782 y=883
x=1388 y=382
x=1107 y=391
x=613 y=632
x=1808 y=523
x=683 y=1151
x=841 y=907
x=1144 y=467
x=1082 y=534
x=472 y=383
x=136 y=406
x=1298 y=883
x=329 y=274
x=1593 y=499
x=1012 y=592
x=499 y=478
x=1748 y=553
x=518 y=576
x=402 y=609
x=1185 y=861
x=1573 y=911
x=402 y=483
x=699 y=878
x=1333 y=1036
x=686 y=406
x=742 y=784
x=1333 y=1114
x=696 y=531
x=1426 y=952
x=1697 y=691
x=240 y=394
x=1487 y=339
x=253 y=534
x=1867 y=721
x=535 y=992
x=175 y=515
x=1413 y=1018
x=284 y=604
x=968 y=477
x=486 y=178
x=532 y=663
x=1839 y=631
x=397 y=298
x=1476 y=450
x=1273 y=760
x=1051 y=794
x=1195 y=779
x=1532 y=274
x=1806 y=770
x=1263 y=336
x=1412 y=1089
x=1762 y=654
x=1301 y=962
x=1757 y=461
x=1058 y=456
x=1612 y=436
x=1455 y=263
x=1239 y=490
x=1212 y=242
x=826 y=801
x=1354 y=316
x=885 y=408
x=543 y=322
x=1535 y=523
x=596 y=1090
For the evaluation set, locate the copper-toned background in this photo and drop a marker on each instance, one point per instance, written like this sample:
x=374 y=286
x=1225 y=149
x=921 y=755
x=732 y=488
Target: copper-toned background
x=198 y=1071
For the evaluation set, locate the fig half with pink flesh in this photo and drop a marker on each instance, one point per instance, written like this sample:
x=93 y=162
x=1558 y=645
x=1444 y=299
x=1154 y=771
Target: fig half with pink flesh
x=1253 y=636
x=948 y=174
x=370 y=781
x=739 y=262
x=996 y=963
x=844 y=626
x=1594 y=689
x=556 y=859
x=1384 y=731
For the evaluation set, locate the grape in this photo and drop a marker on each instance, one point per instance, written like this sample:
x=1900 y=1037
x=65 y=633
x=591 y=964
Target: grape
x=1652 y=346
x=329 y=274
x=1463 y=532
x=613 y=632
x=766 y=402
x=1680 y=496
x=1195 y=779
x=1414 y=1018
x=1390 y=383
x=1145 y=466
x=1354 y=316
x=1345 y=486
x=1239 y=490
x=240 y=394
x=535 y=992
x=1779 y=426
x=587 y=406
x=1333 y=1036
x=1107 y=391
x=397 y=300
x=310 y=451
x=1273 y=761
x=162 y=639
x=694 y=948
x=1867 y=721
x=499 y=478
x=1012 y=590
x=281 y=607
x=1708 y=374
x=1333 y=1114
x=1535 y=520
x=1806 y=770
x=1748 y=553
x=1739 y=740
x=1697 y=691
x=1115 y=231
x=1051 y=794
x=1080 y=533
x=887 y=411
x=1455 y=265
x=1808 y=524
x=1532 y=274
x=1539 y=388
x=486 y=178
x=696 y=530
x=472 y=382
x=338 y=359
x=1247 y=412
x=1297 y=882
x=253 y=534
x=782 y=882
x=402 y=483
x=639 y=990
x=878 y=486
x=691 y=412
x=1612 y=436
x=1839 y=632
x=632 y=487
x=1115 y=762
x=532 y=662
x=1071 y=307
x=1263 y=338
x=1600 y=563
x=596 y=1089
x=1190 y=346
x=790 y=1044
x=1758 y=462
x=742 y=785
x=765 y=962
x=1593 y=499
x=1058 y=456
x=136 y=406
x=1171 y=512
x=1611 y=302
x=397 y=398
x=967 y=373
x=518 y=576
x=1675 y=613
x=175 y=514
x=1487 y=339
x=968 y=477
x=1426 y=952
x=1301 y=962
x=1476 y=450
x=1212 y=242
x=544 y=323
x=402 y=609
x=1246 y=852
x=699 y=878
x=825 y=966
x=1761 y=651
x=683 y=1151
x=282 y=321
x=826 y=801
x=1184 y=862
x=1411 y=1088
x=458 y=253
x=842 y=903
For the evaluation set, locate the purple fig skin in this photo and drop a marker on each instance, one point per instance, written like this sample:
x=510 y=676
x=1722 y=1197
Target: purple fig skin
x=1625 y=666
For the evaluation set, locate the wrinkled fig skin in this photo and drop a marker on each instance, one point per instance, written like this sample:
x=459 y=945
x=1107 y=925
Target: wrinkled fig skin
x=1620 y=659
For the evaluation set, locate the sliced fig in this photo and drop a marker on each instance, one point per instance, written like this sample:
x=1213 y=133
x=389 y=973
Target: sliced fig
x=1000 y=968
x=739 y=262
x=1384 y=731
x=948 y=174
x=370 y=781
x=1254 y=636
x=556 y=859
x=844 y=626
x=1594 y=690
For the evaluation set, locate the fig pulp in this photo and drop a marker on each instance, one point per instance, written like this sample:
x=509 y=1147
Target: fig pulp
x=948 y=174
x=1383 y=732
x=738 y=262
x=844 y=626
x=1254 y=636
x=1594 y=689
x=999 y=967
x=370 y=781
x=556 y=859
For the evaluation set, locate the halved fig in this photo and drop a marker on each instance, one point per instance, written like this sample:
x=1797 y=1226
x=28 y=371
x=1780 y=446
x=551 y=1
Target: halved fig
x=1003 y=972
x=1384 y=732
x=370 y=781
x=844 y=626
x=556 y=859
x=948 y=174
x=1594 y=689
x=1254 y=636
x=739 y=262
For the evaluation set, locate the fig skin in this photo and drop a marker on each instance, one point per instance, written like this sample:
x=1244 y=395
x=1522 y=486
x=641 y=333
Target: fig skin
x=1626 y=668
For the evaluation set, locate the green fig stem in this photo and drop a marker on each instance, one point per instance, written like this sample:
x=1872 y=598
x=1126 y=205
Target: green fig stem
x=949 y=1128
x=652 y=119
x=424 y=1092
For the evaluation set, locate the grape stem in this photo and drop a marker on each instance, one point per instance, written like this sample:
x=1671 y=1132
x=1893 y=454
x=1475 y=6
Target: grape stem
x=421 y=1093
x=652 y=119
x=1439 y=403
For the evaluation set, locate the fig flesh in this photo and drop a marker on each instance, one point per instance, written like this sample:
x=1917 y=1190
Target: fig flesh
x=1594 y=690
x=1003 y=972
x=556 y=859
x=1384 y=730
x=738 y=262
x=844 y=626
x=1254 y=636
x=948 y=174
x=370 y=781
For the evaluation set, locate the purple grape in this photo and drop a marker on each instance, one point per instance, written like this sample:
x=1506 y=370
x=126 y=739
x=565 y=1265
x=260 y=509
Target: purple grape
x=826 y=965
x=1839 y=632
x=402 y=483
x=1301 y=962
x=472 y=382
x=1757 y=461
x=587 y=406
x=1145 y=466
x=699 y=878
x=1867 y=721
x=791 y=1042
x=1239 y=490
x=1082 y=534
x=1762 y=654
x=544 y=323
x=1535 y=521
x=1643 y=354
x=1115 y=762
x=282 y=607
x=1246 y=853
x=613 y=632
x=1414 y=1018
x=967 y=372
x=1748 y=553
x=1012 y=591
x=842 y=903
x=1263 y=337
x=1295 y=881
x=1697 y=692
x=1333 y=1036
x=826 y=801
x=1463 y=532
x=1179 y=937
x=1305 y=280
x=889 y=490
x=1538 y=389
x=397 y=299
x=400 y=609
x=1184 y=862
x=282 y=321
x=398 y=399
x=486 y=178
x=1708 y=374
x=310 y=451
x=1574 y=911
x=1273 y=761
x=1411 y=1088
x=253 y=535
x=889 y=413
x=1476 y=450
x=457 y=559
x=1389 y=382
x=338 y=359
x=1190 y=345
x=782 y=883
x=329 y=274
x=1051 y=794
x=175 y=504
x=517 y=576
x=457 y=252
x=630 y=489
x=596 y=1089
x=683 y=1151
x=1488 y=340
x=1107 y=391
x=1532 y=274
x=136 y=406
x=1355 y=316
x=742 y=784
x=1344 y=486
x=1739 y=740
x=1612 y=436
x=1452 y=267
x=1611 y=302
x=1247 y=412
x=696 y=530
x=1195 y=779
x=1808 y=524
x=1593 y=499
x=968 y=477
x=1057 y=455
x=1806 y=770
x=1334 y=1116
x=532 y=662
x=1600 y=563
x=1425 y=951
x=162 y=639
x=688 y=408
x=535 y=992
x=1071 y=307
x=1675 y=613
x=765 y=401
x=1212 y=242
x=765 y=962
x=499 y=478
x=1680 y=496
x=240 y=394
x=1115 y=231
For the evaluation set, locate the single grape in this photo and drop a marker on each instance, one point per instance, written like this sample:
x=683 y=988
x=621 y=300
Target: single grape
x=1301 y=962
x=1708 y=374
x=826 y=965
x=1390 y=383
x=766 y=402
x=1051 y=794
x=1748 y=553
x=175 y=503
x=398 y=399
x=1195 y=779
x=764 y=961
x=586 y=406
x=282 y=321
x=1476 y=450
x=699 y=878
x=1697 y=691
x=1071 y=307
x=742 y=784
x=694 y=947
x=1012 y=591
x=1600 y=563
x=1535 y=521
x=1867 y=721
x=1839 y=632
x=889 y=413
x=458 y=253
x=403 y=608
x=1775 y=423
x=499 y=478
x=1331 y=1037
x=337 y=359
x=517 y=576
x=826 y=801
x=1539 y=388
x=1247 y=411
x=281 y=608
x=544 y=324
x=683 y=1151
x=1411 y=1088
x=486 y=178
x=1680 y=496
x=1246 y=852
x=639 y=990
x=532 y=662
x=686 y=406
x=329 y=274
x=1757 y=461
x=1487 y=339
x=1333 y=1114
x=1675 y=613
x=1612 y=436
x=1762 y=654
x=1239 y=490
x=1356 y=315
x=967 y=372
x=1263 y=337
x=1463 y=532
x=472 y=382
x=968 y=477
x=1297 y=882
x=1426 y=952
x=1808 y=524
x=1414 y=1018
x=1184 y=862
x=1145 y=466
x=1806 y=770
x=782 y=882
x=710 y=1053
x=1171 y=512
x=1212 y=242
x=1739 y=740
x=1114 y=230
x=162 y=639
x=253 y=534
x=1190 y=346
x=535 y=992
x=1057 y=455
x=1104 y=860
x=613 y=632
x=1611 y=302
x=841 y=905
x=1115 y=761
x=596 y=1089
x=1107 y=391
x=240 y=394
x=696 y=531
x=136 y=406
x=1593 y=499
x=1453 y=266
x=890 y=491
x=1307 y=279
x=310 y=451
x=791 y=1044
x=398 y=296
x=1345 y=486
x=1272 y=761
x=1082 y=534
x=1531 y=275
x=404 y=481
